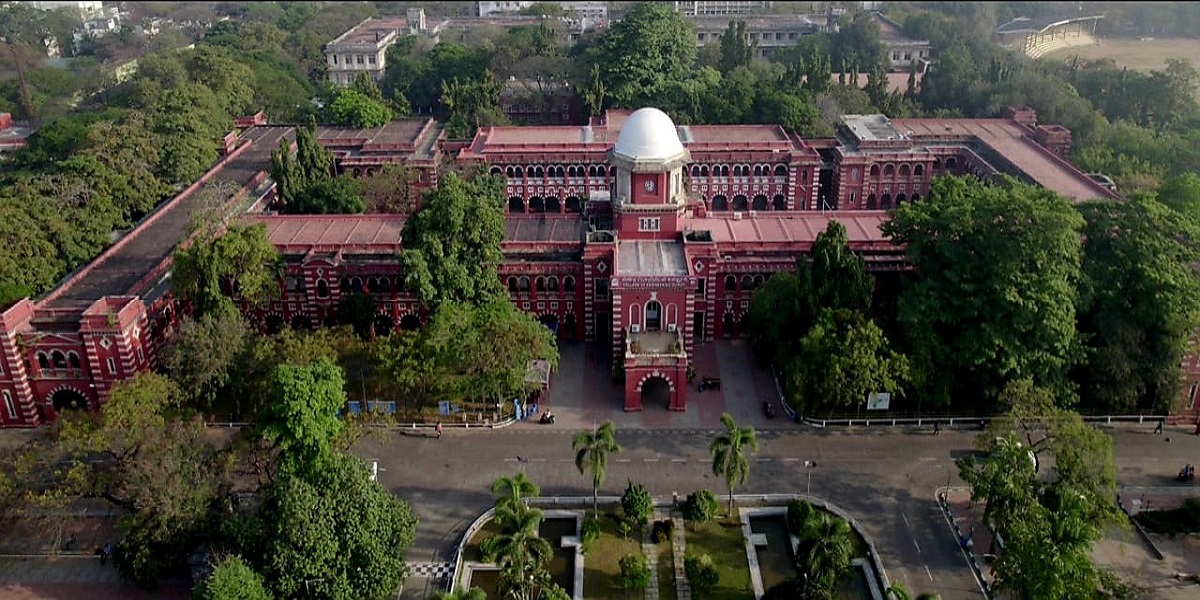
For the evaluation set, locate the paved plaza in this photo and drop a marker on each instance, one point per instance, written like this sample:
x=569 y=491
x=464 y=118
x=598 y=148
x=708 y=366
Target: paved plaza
x=886 y=478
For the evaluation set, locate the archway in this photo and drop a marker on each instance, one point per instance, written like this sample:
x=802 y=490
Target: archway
x=727 y=325
x=67 y=399
x=550 y=321
x=516 y=205
x=653 y=315
x=872 y=202
x=553 y=205
x=720 y=202
x=383 y=324
x=760 y=202
x=302 y=322
x=570 y=324
x=410 y=322
x=739 y=202
x=537 y=205
x=780 y=202
x=574 y=205
x=656 y=391
x=274 y=324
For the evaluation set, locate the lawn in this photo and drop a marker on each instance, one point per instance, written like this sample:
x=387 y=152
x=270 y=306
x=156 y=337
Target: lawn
x=601 y=562
x=1133 y=53
x=727 y=548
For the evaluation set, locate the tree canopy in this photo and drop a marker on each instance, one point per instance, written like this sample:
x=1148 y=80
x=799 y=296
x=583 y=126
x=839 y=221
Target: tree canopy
x=240 y=261
x=640 y=56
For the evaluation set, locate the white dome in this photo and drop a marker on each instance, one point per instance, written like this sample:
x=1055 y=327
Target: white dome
x=648 y=134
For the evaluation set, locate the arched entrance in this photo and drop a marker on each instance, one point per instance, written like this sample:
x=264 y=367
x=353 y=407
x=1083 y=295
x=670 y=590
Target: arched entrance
x=570 y=324
x=274 y=324
x=550 y=321
x=653 y=315
x=302 y=323
x=516 y=204
x=727 y=325
x=67 y=399
x=656 y=391
x=383 y=324
x=720 y=202
x=410 y=322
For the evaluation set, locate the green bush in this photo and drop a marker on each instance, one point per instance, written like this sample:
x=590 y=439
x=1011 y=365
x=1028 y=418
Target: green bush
x=701 y=574
x=701 y=506
x=662 y=530
x=1185 y=519
x=591 y=529
x=799 y=513
x=635 y=573
x=637 y=503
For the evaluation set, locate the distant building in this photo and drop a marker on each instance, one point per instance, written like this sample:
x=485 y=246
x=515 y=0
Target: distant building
x=902 y=50
x=489 y=9
x=363 y=49
x=580 y=15
x=721 y=8
x=85 y=9
x=768 y=33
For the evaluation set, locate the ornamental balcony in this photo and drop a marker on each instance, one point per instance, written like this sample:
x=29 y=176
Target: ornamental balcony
x=654 y=348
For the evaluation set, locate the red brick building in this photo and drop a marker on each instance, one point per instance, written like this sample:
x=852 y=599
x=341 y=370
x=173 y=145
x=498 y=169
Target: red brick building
x=629 y=232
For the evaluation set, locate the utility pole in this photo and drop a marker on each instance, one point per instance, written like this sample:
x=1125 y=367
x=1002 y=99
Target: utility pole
x=26 y=100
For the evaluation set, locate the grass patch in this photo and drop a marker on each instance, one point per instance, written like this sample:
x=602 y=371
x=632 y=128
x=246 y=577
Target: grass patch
x=601 y=562
x=666 y=570
x=1134 y=53
x=727 y=547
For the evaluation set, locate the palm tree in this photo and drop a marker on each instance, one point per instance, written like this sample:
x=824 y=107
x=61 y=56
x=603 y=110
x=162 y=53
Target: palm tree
x=825 y=551
x=591 y=454
x=518 y=550
x=511 y=491
x=899 y=592
x=729 y=462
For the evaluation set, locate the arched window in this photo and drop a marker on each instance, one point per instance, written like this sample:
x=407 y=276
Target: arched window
x=747 y=283
x=552 y=284
x=59 y=359
x=516 y=204
x=523 y=285
x=780 y=171
x=779 y=202
x=900 y=199
x=904 y=171
x=872 y=202
x=874 y=171
x=918 y=171
x=758 y=281
x=740 y=202
x=571 y=171
x=540 y=284
x=43 y=360
x=730 y=283
x=695 y=170
x=73 y=359
x=720 y=202
x=356 y=286
x=704 y=171
x=569 y=283
x=529 y=172
x=758 y=170
x=889 y=171
x=495 y=170
x=512 y=285
x=511 y=172
x=539 y=173
x=322 y=289
x=760 y=202
x=951 y=163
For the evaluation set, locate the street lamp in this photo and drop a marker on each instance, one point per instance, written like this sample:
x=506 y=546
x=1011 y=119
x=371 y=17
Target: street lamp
x=809 y=465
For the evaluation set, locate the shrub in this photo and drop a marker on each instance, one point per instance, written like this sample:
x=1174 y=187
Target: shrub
x=701 y=574
x=635 y=573
x=637 y=503
x=590 y=530
x=799 y=513
x=701 y=506
x=1185 y=519
x=662 y=531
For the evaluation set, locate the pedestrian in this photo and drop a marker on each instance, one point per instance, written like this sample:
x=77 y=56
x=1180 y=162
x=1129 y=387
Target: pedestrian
x=1158 y=429
x=105 y=553
x=438 y=429
x=937 y=427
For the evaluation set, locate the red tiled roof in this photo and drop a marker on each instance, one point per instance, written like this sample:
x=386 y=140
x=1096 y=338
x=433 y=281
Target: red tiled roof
x=862 y=227
x=549 y=229
x=349 y=233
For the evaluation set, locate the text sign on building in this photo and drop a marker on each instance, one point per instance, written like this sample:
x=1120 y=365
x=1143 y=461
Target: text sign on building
x=649 y=282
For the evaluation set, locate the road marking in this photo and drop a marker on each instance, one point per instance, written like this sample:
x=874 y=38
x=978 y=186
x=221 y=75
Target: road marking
x=510 y=460
x=622 y=460
x=649 y=460
x=565 y=460
x=930 y=574
x=928 y=458
x=762 y=460
x=678 y=460
x=917 y=545
x=538 y=459
x=906 y=525
x=791 y=460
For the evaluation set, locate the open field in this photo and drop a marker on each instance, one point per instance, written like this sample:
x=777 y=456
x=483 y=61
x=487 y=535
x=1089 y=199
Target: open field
x=1135 y=54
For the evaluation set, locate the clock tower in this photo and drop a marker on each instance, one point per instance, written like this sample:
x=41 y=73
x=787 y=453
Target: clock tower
x=648 y=194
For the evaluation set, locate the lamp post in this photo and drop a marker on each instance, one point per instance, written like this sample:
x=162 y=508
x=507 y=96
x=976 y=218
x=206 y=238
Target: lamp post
x=809 y=465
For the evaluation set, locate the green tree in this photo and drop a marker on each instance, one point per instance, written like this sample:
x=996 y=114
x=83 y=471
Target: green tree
x=203 y=354
x=392 y=190
x=700 y=506
x=452 y=244
x=333 y=196
x=1049 y=521
x=994 y=297
x=639 y=56
x=187 y=122
x=467 y=594
x=302 y=419
x=736 y=48
x=728 y=452
x=352 y=108
x=824 y=554
x=232 y=579
x=635 y=574
x=241 y=258
x=637 y=504
x=1139 y=303
x=592 y=450
x=336 y=534
x=854 y=361
x=702 y=574
x=511 y=491
x=518 y=551
x=411 y=368
x=472 y=103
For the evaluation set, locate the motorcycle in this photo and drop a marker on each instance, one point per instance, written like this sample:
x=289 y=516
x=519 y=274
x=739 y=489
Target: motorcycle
x=1186 y=474
x=546 y=418
x=769 y=410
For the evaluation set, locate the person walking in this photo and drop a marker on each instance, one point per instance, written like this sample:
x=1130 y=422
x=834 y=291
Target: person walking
x=937 y=427
x=105 y=553
x=1158 y=429
x=438 y=429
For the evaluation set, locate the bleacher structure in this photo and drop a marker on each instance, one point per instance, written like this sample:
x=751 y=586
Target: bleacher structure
x=1036 y=38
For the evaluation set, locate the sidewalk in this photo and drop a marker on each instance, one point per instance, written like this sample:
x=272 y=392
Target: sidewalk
x=68 y=577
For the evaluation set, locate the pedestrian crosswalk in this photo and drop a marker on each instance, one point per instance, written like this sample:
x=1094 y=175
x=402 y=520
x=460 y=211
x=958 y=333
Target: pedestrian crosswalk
x=428 y=569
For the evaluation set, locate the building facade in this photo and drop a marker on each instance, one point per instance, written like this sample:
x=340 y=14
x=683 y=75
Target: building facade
x=363 y=48
x=630 y=232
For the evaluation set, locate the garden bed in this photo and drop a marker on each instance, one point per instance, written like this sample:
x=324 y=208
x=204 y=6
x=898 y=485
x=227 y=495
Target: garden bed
x=601 y=562
x=1185 y=519
x=727 y=547
x=666 y=570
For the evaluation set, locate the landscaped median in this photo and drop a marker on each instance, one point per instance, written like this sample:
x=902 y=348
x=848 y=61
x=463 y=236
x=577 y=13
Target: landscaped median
x=741 y=558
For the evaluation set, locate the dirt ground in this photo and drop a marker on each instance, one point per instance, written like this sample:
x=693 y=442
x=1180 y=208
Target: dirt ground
x=1128 y=556
x=1133 y=53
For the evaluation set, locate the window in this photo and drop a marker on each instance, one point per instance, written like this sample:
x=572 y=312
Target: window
x=371 y=59
x=730 y=283
x=73 y=359
x=43 y=360
x=141 y=355
x=700 y=286
x=112 y=366
x=648 y=224
x=359 y=59
x=908 y=56
x=10 y=405
x=335 y=59
x=1192 y=396
x=895 y=56
x=601 y=286
x=569 y=283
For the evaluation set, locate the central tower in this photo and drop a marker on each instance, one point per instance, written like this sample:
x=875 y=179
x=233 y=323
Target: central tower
x=648 y=193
